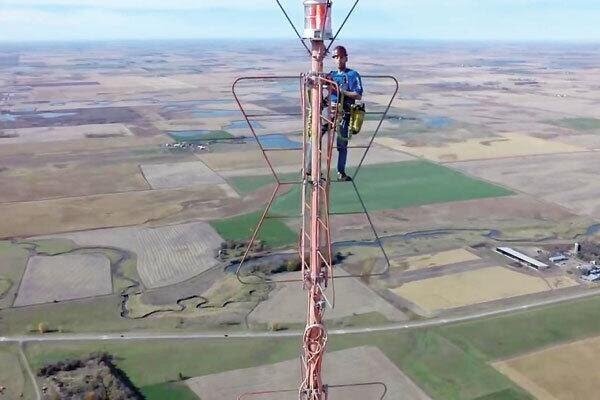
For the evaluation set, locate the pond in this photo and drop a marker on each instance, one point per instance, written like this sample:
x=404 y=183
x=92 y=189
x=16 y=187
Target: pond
x=278 y=141
x=10 y=117
x=438 y=122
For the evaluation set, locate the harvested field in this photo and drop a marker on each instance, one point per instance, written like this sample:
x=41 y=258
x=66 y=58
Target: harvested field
x=438 y=259
x=565 y=372
x=292 y=163
x=359 y=364
x=175 y=175
x=69 y=180
x=250 y=159
x=82 y=145
x=570 y=180
x=287 y=302
x=513 y=216
x=120 y=209
x=64 y=277
x=474 y=287
x=166 y=255
x=507 y=145
x=60 y=133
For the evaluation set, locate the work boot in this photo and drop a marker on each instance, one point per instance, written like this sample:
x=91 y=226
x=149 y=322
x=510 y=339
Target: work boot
x=342 y=177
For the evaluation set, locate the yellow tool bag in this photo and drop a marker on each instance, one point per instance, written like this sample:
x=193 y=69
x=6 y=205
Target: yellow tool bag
x=357 y=117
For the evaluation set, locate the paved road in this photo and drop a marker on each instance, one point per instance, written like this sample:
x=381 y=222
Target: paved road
x=392 y=327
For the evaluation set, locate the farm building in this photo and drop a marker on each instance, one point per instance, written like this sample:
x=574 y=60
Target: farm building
x=520 y=257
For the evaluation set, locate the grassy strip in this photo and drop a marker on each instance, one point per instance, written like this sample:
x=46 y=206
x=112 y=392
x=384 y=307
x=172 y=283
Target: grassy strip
x=200 y=135
x=507 y=394
x=171 y=391
x=51 y=247
x=273 y=232
x=578 y=124
x=13 y=261
x=11 y=373
x=510 y=335
x=5 y=285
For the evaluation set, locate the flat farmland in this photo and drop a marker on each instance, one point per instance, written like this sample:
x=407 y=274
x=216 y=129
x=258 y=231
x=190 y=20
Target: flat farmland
x=359 y=364
x=64 y=277
x=13 y=261
x=438 y=259
x=398 y=185
x=11 y=374
x=110 y=210
x=570 y=180
x=507 y=145
x=509 y=217
x=62 y=133
x=476 y=286
x=287 y=302
x=83 y=145
x=247 y=159
x=68 y=179
x=564 y=372
x=174 y=175
x=382 y=186
x=166 y=255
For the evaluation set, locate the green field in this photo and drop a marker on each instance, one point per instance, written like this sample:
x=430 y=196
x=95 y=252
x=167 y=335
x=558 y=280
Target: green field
x=200 y=135
x=508 y=336
x=13 y=261
x=50 y=247
x=382 y=186
x=389 y=186
x=578 y=124
x=171 y=391
x=248 y=184
x=274 y=232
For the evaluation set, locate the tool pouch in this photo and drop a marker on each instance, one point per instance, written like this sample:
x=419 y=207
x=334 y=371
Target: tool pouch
x=357 y=117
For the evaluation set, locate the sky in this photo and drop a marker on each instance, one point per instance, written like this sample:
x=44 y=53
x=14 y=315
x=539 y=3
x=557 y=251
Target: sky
x=504 y=20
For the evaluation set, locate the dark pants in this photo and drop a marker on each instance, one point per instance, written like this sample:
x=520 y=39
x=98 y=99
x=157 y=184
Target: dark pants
x=342 y=143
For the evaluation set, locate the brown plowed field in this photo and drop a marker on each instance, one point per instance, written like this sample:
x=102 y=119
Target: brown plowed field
x=165 y=255
x=64 y=277
x=570 y=180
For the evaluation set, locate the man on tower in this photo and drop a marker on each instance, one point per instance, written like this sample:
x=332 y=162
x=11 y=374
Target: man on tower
x=351 y=90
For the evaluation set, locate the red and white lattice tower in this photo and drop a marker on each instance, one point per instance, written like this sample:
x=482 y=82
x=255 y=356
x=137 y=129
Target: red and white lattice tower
x=320 y=119
x=315 y=242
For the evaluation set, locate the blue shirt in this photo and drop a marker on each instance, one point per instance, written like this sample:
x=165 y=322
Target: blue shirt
x=348 y=80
